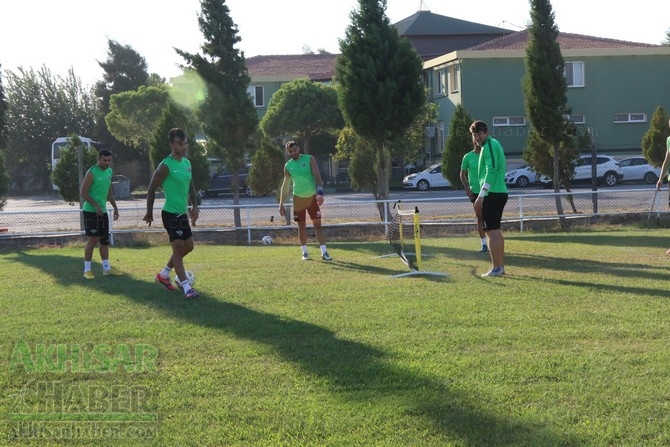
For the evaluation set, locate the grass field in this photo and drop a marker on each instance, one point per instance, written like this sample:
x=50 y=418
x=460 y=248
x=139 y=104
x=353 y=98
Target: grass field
x=569 y=349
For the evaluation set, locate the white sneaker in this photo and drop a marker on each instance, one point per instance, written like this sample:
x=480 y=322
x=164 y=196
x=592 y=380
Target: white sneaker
x=305 y=257
x=500 y=271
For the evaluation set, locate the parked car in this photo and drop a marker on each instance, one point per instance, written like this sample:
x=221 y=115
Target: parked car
x=221 y=180
x=521 y=177
x=608 y=171
x=430 y=177
x=637 y=169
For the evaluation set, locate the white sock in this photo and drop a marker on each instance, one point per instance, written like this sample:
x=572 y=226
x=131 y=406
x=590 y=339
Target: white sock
x=105 y=264
x=323 y=250
x=185 y=286
x=87 y=266
x=165 y=272
x=304 y=249
x=483 y=241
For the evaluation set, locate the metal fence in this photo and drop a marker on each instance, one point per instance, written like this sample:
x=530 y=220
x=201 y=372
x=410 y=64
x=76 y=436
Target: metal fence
x=51 y=216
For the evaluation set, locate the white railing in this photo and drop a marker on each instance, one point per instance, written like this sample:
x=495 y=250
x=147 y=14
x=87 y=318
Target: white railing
x=339 y=212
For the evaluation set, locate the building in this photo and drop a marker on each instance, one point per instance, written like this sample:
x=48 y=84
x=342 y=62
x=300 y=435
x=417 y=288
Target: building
x=614 y=87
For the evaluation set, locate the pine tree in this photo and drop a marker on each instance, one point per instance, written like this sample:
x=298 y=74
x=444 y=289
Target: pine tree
x=458 y=144
x=654 y=139
x=545 y=88
x=228 y=115
x=379 y=83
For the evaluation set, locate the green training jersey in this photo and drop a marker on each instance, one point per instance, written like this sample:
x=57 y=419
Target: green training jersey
x=492 y=166
x=99 y=190
x=469 y=164
x=176 y=185
x=301 y=173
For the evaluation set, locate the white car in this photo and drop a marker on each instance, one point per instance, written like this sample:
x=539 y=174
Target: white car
x=430 y=177
x=608 y=171
x=637 y=169
x=521 y=177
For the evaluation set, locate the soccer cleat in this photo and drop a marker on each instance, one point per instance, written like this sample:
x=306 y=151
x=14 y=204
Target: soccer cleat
x=112 y=272
x=500 y=271
x=165 y=281
x=326 y=257
x=88 y=274
x=305 y=257
x=484 y=249
x=191 y=294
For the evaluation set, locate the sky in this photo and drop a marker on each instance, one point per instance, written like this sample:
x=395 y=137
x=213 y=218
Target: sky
x=73 y=34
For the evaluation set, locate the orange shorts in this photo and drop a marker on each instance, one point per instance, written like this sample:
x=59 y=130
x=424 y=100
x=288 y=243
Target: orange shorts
x=304 y=205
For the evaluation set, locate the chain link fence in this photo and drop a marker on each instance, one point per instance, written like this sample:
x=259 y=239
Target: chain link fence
x=44 y=216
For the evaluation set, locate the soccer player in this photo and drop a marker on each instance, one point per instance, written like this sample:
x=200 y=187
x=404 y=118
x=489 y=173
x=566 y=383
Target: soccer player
x=301 y=170
x=96 y=191
x=470 y=181
x=492 y=197
x=175 y=177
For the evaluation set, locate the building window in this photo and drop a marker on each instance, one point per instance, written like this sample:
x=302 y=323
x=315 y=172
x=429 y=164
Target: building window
x=499 y=121
x=442 y=82
x=630 y=117
x=574 y=73
x=454 y=84
x=440 y=137
x=576 y=118
x=256 y=93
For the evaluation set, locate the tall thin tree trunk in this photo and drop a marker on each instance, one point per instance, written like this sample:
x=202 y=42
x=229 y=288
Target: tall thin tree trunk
x=383 y=171
x=557 y=189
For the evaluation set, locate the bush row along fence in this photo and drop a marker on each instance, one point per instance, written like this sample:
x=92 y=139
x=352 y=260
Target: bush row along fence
x=260 y=214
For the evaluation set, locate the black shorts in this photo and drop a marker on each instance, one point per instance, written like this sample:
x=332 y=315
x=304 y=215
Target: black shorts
x=177 y=225
x=492 y=209
x=96 y=226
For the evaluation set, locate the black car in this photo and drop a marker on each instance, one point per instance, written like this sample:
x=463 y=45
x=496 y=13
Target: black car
x=222 y=178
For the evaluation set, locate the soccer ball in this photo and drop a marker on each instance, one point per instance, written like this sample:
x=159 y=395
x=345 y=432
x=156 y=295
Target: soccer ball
x=267 y=240
x=191 y=279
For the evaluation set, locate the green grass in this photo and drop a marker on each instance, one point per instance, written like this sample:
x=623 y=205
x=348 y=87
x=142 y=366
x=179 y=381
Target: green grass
x=569 y=349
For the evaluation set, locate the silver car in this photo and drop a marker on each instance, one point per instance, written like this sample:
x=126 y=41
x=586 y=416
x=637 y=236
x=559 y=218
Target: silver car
x=636 y=169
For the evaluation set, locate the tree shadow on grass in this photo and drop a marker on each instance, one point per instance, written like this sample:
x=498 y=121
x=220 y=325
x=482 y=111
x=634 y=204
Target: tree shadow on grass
x=354 y=371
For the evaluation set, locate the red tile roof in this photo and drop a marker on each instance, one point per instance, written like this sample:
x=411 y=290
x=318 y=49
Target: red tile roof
x=317 y=67
x=567 y=41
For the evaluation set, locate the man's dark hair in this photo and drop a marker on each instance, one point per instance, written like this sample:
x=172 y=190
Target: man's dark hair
x=479 y=126
x=175 y=133
x=104 y=153
x=290 y=144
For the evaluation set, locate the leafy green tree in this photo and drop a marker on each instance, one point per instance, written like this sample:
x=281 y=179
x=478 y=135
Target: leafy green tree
x=228 y=114
x=3 y=114
x=40 y=108
x=267 y=168
x=363 y=157
x=458 y=144
x=666 y=41
x=123 y=70
x=66 y=173
x=379 y=84
x=654 y=139
x=133 y=114
x=300 y=109
x=545 y=89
